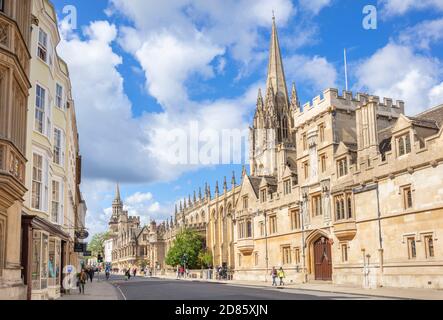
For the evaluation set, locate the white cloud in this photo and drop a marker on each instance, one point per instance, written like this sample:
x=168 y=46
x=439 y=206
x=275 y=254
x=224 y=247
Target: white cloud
x=138 y=198
x=423 y=35
x=436 y=95
x=316 y=73
x=315 y=6
x=400 y=7
x=396 y=71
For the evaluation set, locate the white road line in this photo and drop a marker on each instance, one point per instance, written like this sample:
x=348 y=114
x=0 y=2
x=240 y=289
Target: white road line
x=124 y=297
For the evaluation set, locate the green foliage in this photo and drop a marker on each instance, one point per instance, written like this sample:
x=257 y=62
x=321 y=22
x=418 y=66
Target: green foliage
x=205 y=258
x=187 y=243
x=97 y=243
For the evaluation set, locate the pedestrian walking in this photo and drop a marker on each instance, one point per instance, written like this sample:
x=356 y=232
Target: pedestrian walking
x=91 y=274
x=135 y=272
x=82 y=278
x=128 y=274
x=281 y=275
x=274 y=276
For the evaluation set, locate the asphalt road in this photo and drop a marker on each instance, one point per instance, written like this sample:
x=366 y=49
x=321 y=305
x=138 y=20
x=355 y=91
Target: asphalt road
x=158 y=289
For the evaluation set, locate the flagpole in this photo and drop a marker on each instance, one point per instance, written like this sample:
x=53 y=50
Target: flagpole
x=346 y=70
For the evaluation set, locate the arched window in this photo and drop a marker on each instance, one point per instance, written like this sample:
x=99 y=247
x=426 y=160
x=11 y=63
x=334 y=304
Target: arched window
x=285 y=128
x=249 y=229
x=349 y=207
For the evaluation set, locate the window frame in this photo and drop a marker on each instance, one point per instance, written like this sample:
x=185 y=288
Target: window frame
x=286 y=255
x=408 y=200
x=321 y=132
x=36 y=200
x=273 y=224
x=316 y=205
x=323 y=163
x=412 y=248
x=245 y=202
x=59 y=99
x=287 y=187
x=344 y=252
x=294 y=216
x=404 y=144
x=43 y=47
x=306 y=169
x=430 y=253
x=40 y=109
x=342 y=167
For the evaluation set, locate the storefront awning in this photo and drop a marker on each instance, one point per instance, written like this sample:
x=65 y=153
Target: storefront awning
x=41 y=224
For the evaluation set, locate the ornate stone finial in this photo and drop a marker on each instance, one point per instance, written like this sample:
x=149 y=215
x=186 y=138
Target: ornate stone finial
x=295 y=101
x=181 y=206
x=260 y=103
x=209 y=192
x=176 y=209
x=200 y=194
x=225 y=185
x=172 y=222
x=244 y=173
x=189 y=201
x=185 y=204
x=195 y=197
x=233 y=182
x=217 y=191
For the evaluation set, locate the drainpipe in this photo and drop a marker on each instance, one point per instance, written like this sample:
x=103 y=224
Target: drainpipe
x=380 y=237
x=303 y=245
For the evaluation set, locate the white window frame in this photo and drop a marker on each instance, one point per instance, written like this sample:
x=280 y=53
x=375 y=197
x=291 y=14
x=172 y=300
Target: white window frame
x=42 y=45
x=60 y=201
x=59 y=96
x=60 y=145
x=44 y=190
x=40 y=109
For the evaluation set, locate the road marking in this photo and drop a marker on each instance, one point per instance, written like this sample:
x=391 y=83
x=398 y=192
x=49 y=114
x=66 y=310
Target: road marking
x=124 y=297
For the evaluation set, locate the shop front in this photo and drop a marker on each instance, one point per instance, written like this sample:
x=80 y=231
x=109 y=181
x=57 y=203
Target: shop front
x=43 y=257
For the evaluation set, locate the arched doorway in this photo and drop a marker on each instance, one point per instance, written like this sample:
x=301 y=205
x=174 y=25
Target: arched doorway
x=322 y=259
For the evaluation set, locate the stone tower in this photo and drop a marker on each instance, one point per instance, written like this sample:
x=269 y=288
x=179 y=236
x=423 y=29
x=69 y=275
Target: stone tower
x=271 y=136
x=117 y=210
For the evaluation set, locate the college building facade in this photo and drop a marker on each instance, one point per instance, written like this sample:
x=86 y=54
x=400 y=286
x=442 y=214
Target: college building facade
x=345 y=189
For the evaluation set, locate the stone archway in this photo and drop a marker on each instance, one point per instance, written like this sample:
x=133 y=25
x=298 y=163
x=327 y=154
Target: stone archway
x=319 y=256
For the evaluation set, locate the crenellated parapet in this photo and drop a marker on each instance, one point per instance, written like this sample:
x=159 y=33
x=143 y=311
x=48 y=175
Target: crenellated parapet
x=332 y=101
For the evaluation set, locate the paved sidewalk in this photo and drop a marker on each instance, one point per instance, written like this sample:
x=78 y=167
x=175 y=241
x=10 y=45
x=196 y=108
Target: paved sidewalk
x=396 y=293
x=94 y=291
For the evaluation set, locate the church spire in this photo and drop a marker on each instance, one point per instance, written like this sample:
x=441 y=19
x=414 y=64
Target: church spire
x=276 y=75
x=117 y=193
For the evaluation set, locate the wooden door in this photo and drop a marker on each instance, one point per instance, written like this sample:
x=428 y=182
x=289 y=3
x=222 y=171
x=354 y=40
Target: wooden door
x=323 y=259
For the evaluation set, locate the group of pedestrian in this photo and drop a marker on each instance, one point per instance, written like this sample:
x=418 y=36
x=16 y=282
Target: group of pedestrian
x=130 y=273
x=182 y=272
x=280 y=274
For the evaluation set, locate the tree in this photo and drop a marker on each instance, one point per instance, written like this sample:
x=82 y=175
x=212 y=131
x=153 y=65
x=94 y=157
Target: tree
x=97 y=243
x=205 y=258
x=185 y=249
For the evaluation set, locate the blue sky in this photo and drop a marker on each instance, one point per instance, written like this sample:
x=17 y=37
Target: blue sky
x=140 y=66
